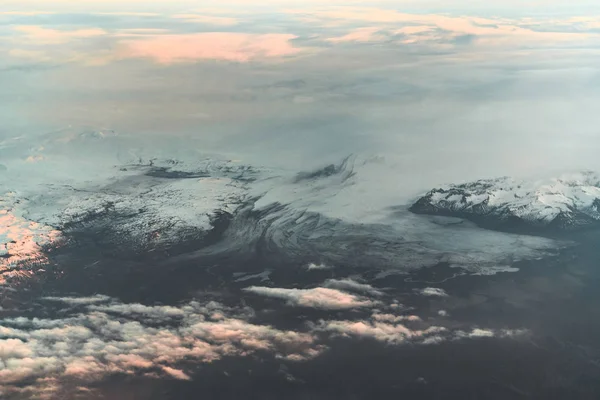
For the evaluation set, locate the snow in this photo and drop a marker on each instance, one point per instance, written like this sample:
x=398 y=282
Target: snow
x=542 y=201
x=21 y=240
x=324 y=215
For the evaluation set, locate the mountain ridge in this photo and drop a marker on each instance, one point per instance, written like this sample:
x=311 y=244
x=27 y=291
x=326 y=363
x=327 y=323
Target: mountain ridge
x=566 y=203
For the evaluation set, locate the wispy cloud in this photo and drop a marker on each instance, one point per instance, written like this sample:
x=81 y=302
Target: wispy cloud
x=352 y=285
x=433 y=27
x=40 y=35
x=25 y=13
x=207 y=19
x=77 y=301
x=400 y=329
x=364 y=35
x=225 y=46
x=382 y=331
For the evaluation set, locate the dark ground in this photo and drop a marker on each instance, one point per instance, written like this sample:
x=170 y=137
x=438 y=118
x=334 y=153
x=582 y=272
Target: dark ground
x=556 y=299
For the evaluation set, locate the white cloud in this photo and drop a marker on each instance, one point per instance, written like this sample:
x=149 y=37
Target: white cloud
x=160 y=312
x=389 y=332
x=324 y=298
x=40 y=355
x=400 y=329
x=87 y=347
x=395 y=318
x=352 y=285
x=433 y=292
x=313 y=267
x=176 y=373
x=98 y=298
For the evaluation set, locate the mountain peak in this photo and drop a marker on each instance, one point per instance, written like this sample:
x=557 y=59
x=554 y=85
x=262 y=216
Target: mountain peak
x=570 y=201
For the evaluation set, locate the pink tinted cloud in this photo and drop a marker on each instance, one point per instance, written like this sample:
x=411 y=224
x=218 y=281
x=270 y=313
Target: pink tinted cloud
x=324 y=298
x=225 y=46
x=494 y=31
x=207 y=19
x=90 y=346
x=176 y=373
x=41 y=35
x=369 y=34
x=389 y=332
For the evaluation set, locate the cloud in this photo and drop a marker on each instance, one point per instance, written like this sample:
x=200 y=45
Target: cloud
x=383 y=329
x=475 y=333
x=110 y=337
x=395 y=318
x=314 y=267
x=352 y=285
x=401 y=329
x=79 y=300
x=159 y=312
x=40 y=35
x=129 y=14
x=176 y=373
x=140 y=31
x=41 y=354
x=364 y=35
x=436 y=27
x=323 y=298
x=207 y=19
x=429 y=291
x=25 y=13
x=224 y=46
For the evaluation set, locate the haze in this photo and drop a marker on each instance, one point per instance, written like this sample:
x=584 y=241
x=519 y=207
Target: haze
x=442 y=91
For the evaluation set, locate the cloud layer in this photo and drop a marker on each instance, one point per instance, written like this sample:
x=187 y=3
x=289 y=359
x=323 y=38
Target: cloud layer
x=100 y=336
x=132 y=339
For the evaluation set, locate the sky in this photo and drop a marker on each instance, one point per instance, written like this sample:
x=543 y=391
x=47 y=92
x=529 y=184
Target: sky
x=419 y=92
x=444 y=91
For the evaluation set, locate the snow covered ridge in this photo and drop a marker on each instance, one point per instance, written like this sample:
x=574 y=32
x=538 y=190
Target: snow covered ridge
x=568 y=202
x=21 y=241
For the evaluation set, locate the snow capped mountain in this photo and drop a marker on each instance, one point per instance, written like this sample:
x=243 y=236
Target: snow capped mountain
x=98 y=191
x=566 y=203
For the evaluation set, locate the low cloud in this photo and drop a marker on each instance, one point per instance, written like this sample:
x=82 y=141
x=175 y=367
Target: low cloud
x=76 y=301
x=322 y=298
x=384 y=328
x=38 y=354
x=314 y=267
x=400 y=329
x=352 y=285
x=433 y=292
